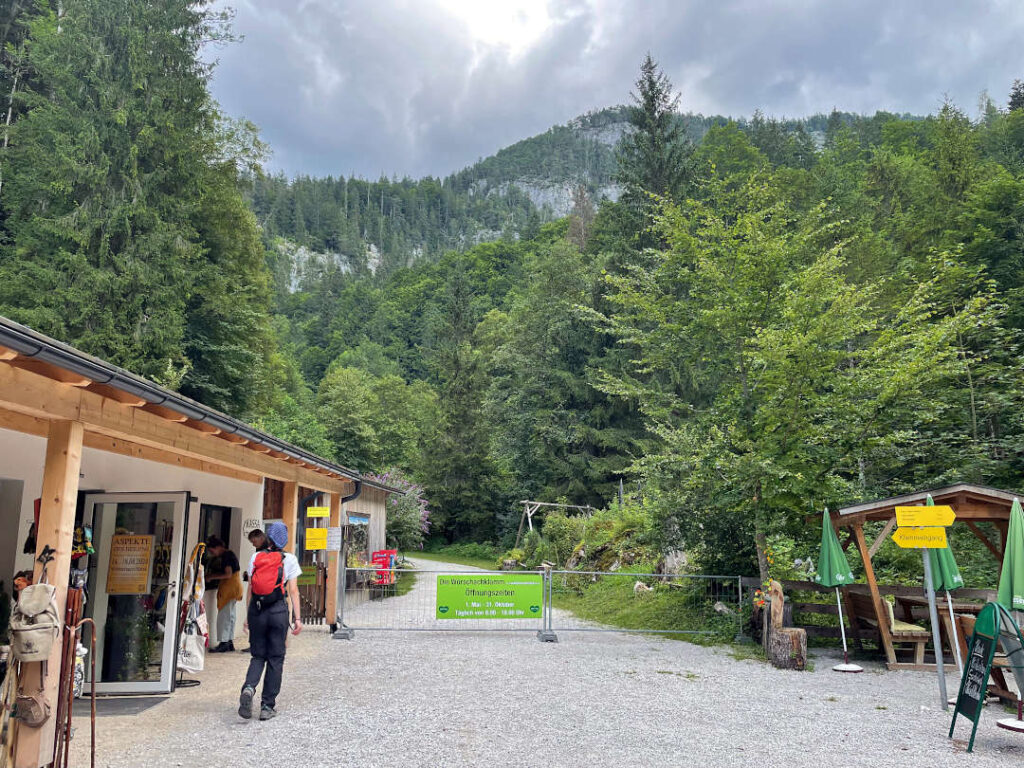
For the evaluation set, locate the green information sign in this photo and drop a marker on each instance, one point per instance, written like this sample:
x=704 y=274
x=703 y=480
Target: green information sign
x=490 y=596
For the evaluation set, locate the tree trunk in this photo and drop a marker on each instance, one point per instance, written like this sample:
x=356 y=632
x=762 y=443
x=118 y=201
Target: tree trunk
x=761 y=544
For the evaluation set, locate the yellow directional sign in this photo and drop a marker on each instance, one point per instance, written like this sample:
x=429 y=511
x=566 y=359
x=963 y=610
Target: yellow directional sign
x=920 y=538
x=915 y=516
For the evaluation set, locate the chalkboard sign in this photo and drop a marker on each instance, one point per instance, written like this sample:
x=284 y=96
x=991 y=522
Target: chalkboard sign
x=977 y=667
x=975 y=679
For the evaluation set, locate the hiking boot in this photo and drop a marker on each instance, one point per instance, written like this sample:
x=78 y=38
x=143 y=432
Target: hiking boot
x=231 y=646
x=267 y=712
x=245 y=702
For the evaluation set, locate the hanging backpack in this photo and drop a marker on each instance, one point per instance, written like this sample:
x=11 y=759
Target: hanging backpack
x=267 y=582
x=35 y=623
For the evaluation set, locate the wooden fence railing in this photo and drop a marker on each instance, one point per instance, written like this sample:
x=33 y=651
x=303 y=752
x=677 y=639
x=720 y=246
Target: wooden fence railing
x=827 y=605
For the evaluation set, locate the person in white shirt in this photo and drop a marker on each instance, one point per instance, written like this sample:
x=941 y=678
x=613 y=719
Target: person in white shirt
x=273 y=587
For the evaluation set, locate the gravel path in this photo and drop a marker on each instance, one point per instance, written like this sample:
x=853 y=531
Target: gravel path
x=440 y=699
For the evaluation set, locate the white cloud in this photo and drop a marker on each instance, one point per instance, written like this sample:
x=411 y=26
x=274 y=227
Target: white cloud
x=428 y=86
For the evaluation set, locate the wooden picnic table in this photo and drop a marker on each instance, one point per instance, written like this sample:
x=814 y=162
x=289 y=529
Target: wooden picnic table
x=907 y=604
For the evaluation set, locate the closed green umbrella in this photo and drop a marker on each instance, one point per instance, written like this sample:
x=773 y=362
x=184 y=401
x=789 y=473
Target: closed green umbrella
x=946 y=576
x=833 y=571
x=1011 y=580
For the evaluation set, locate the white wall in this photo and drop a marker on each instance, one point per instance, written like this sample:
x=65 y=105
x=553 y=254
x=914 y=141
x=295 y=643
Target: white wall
x=22 y=457
x=10 y=516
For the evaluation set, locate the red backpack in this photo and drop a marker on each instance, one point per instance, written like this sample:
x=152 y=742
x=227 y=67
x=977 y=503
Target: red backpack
x=267 y=583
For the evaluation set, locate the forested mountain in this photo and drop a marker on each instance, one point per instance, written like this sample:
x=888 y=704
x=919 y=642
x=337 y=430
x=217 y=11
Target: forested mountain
x=358 y=225
x=805 y=313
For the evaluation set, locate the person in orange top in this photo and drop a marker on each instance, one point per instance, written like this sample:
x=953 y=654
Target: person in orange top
x=229 y=591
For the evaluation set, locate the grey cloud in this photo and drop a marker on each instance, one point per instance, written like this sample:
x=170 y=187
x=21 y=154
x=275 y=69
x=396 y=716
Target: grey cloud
x=400 y=87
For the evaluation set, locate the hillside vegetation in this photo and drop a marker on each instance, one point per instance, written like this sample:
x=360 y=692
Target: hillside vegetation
x=780 y=316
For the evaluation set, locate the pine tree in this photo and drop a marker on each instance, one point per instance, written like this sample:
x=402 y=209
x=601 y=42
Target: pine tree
x=655 y=157
x=1017 y=95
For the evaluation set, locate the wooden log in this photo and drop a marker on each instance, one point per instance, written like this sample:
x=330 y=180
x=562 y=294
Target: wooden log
x=786 y=647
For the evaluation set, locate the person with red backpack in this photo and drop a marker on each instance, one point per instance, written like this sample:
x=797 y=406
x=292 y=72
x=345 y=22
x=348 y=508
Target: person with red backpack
x=273 y=585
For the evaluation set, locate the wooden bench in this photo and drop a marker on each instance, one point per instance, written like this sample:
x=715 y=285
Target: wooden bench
x=902 y=632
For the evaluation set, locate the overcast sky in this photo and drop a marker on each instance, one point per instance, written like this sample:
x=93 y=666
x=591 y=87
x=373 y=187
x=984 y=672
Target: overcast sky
x=416 y=87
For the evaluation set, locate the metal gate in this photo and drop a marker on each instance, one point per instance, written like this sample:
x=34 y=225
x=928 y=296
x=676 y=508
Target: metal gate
x=313 y=593
x=417 y=600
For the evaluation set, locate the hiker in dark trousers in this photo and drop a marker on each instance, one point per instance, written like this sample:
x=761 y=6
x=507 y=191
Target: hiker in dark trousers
x=273 y=587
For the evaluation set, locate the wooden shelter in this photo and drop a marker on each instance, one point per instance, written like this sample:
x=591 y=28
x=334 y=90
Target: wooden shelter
x=80 y=407
x=973 y=504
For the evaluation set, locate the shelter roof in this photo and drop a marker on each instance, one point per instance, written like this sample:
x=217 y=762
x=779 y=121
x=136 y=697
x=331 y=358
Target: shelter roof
x=979 y=502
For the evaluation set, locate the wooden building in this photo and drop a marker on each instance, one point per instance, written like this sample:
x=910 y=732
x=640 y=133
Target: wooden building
x=84 y=444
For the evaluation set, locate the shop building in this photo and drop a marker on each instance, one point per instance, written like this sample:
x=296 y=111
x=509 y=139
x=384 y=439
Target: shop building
x=86 y=446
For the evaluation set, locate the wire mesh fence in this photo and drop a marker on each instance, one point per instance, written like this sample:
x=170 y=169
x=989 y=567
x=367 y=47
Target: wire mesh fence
x=443 y=601
x=613 y=601
x=540 y=601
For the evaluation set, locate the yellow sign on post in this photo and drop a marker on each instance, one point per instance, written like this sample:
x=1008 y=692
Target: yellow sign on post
x=316 y=538
x=318 y=512
x=917 y=516
x=920 y=538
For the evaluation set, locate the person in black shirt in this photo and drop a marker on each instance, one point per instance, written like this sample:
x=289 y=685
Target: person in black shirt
x=228 y=578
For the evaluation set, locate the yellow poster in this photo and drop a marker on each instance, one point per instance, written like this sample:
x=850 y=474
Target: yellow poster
x=316 y=538
x=131 y=558
x=318 y=512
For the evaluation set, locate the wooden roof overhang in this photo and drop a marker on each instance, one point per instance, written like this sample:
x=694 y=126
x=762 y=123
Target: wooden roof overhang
x=970 y=502
x=43 y=381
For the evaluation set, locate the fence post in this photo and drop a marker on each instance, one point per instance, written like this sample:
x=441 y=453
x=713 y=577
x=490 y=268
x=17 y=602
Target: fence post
x=343 y=632
x=546 y=634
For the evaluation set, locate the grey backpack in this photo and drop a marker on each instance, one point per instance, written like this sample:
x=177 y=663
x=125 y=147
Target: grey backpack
x=35 y=623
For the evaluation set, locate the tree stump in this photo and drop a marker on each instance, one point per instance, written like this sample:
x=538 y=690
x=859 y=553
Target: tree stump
x=786 y=647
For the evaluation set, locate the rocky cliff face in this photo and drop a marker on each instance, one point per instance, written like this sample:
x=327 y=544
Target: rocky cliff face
x=557 y=196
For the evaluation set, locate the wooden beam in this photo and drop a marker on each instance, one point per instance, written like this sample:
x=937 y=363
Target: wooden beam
x=333 y=560
x=881 y=537
x=881 y=614
x=19 y=422
x=6 y=353
x=259 y=447
x=165 y=413
x=34 y=746
x=125 y=398
x=202 y=426
x=30 y=394
x=985 y=540
x=232 y=438
x=144 y=452
x=290 y=513
x=51 y=371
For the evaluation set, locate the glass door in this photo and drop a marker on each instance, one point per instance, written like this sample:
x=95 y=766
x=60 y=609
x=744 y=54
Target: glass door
x=134 y=588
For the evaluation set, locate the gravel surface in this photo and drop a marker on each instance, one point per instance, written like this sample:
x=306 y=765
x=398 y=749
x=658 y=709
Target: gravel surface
x=436 y=699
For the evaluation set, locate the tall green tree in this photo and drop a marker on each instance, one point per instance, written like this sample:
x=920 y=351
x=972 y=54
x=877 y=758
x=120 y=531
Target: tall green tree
x=655 y=155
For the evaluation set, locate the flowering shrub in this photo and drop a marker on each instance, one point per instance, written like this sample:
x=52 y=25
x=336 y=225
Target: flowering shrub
x=408 y=520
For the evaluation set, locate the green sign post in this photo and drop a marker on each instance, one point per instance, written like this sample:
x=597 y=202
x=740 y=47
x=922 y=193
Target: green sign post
x=490 y=596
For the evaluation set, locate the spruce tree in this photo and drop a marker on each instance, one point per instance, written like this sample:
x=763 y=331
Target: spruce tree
x=1017 y=95
x=655 y=156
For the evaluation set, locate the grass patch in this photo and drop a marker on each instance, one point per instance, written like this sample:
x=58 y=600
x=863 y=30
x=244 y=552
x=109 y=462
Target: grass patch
x=748 y=652
x=405 y=580
x=453 y=555
x=611 y=601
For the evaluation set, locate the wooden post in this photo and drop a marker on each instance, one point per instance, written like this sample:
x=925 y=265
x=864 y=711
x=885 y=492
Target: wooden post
x=334 y=521
x=290 y=512
x=884 y=631
x=34 y=746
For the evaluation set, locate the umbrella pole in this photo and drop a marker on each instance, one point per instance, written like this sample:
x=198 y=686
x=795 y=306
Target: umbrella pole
x=846 y=666
x=842 y=628
x=955 y=641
